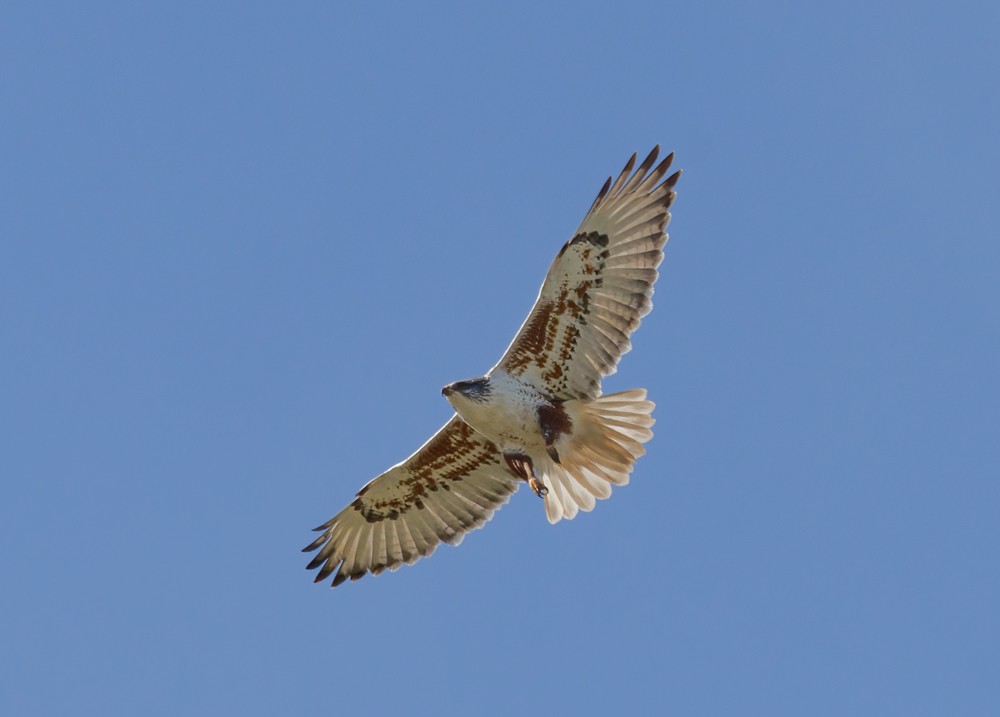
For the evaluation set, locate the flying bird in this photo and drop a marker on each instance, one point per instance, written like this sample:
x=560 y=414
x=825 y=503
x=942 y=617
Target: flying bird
x=538 y=416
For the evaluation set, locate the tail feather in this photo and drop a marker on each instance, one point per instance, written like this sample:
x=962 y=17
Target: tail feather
x=597 y=487
x=599 y=451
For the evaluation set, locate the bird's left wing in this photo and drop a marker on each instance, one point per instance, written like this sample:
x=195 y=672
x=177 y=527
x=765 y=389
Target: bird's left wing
x=598 y=288
x=450 y=486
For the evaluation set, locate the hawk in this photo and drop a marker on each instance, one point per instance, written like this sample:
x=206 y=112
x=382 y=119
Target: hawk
x=538 y=416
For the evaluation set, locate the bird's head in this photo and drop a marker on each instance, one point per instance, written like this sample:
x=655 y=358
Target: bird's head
x=476 y=390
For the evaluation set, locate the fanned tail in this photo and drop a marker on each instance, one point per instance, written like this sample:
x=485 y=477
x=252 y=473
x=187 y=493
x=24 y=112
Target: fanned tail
x=603 y=444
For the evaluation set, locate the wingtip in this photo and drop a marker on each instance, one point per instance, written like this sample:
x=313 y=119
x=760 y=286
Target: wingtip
x=623 y=176
x=325 y=525
x=600 y=195
x=651 y=157
x=327 y=569
x=663 y=166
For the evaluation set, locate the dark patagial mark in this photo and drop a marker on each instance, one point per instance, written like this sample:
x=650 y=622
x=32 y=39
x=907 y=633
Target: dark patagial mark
x=449 y=457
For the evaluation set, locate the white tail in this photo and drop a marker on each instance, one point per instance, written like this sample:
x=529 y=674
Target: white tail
x=599 y=450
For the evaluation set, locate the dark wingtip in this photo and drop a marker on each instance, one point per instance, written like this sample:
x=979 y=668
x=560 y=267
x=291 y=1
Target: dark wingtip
x=651 y=157
x=600 y=195
x=663 y=166
x=630 y=163
x=326 y=570
x=315 y=544
x=672 y=179
x=605 y=188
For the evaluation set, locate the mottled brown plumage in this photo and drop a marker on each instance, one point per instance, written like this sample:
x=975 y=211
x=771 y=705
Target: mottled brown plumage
x=538 y=415
x=597 y=290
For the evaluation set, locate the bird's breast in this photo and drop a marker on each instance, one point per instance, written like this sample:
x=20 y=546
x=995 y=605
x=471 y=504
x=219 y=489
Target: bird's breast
x=508 y=417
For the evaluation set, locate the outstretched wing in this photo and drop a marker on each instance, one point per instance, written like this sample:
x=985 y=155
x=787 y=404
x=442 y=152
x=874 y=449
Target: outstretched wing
x=450 y=486
x=598 y=288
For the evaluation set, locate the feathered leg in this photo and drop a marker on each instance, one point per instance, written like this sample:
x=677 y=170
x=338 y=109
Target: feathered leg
x=523 y=468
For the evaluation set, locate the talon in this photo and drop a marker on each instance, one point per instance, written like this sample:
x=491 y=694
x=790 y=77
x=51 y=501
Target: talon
x=536 y=485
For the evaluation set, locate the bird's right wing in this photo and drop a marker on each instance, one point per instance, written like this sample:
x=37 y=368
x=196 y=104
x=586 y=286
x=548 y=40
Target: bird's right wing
x=450 y=486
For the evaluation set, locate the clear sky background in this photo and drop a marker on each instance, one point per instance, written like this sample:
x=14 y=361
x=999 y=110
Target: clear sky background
x=242 y=247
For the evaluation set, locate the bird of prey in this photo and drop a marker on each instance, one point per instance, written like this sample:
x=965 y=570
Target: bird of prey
x=538 y=416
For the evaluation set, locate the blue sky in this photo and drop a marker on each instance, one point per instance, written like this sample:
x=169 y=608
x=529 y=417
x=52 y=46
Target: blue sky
x=243 y=246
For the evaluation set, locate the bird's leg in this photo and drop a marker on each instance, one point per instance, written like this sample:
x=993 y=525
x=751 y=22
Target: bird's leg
x=536 y=485
x=522 y=467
